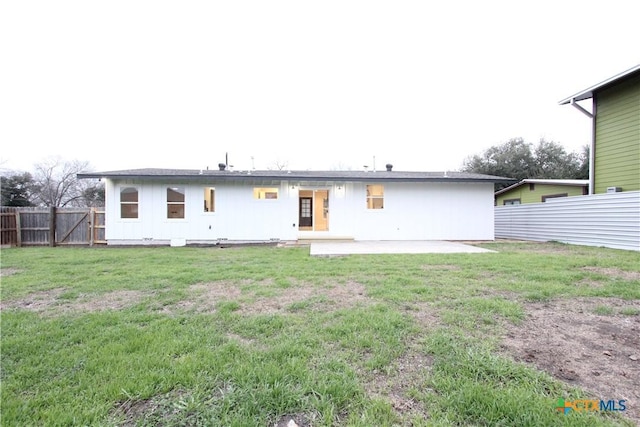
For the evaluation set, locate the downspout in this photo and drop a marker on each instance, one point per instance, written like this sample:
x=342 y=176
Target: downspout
x=592 y=145
x=592 y=151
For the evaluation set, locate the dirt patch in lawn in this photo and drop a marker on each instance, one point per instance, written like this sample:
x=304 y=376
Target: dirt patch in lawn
x=37 y=301
x=165 y=409
x=407 y=373
x=4 y=272
x=203 y=297
x=267 y=298
x=52 y=302
x=304 y=296
x=440 y=267
x=614 y=272
x=425 y=315
x=591 y=343
x=116 y=300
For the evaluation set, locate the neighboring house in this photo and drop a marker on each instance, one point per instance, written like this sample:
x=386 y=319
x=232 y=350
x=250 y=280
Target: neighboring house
x=166 y=206
x=615 y=147
x=539 y=190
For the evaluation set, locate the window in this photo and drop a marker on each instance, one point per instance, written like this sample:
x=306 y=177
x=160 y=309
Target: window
x=532 y=186
x=553 y=196
x=175 y=202
x=511 y=202
x=375 y=197
x=209 y=199
x=129 y=202
x=265 y=193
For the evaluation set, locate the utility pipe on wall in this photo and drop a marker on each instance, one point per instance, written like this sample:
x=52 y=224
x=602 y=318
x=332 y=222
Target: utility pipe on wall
x=592 y=145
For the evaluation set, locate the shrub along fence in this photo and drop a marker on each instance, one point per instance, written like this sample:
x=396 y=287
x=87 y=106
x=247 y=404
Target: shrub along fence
x=609 y=220
x=21 y=226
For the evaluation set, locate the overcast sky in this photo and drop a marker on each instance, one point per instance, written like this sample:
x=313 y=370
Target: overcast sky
x=316 y=85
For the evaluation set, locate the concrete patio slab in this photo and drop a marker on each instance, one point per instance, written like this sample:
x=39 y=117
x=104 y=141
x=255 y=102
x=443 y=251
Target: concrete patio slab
x=325 y=248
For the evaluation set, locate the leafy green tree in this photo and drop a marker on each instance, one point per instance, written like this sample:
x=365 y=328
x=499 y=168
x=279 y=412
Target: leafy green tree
x=17 y=189
x=93 y=195
x=583 y=158
x=513 y=159
x=519 y=160
x=552 y=161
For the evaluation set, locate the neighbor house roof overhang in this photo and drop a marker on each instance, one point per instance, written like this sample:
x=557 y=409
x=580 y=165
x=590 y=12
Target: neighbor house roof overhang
x=588 y=93
x=569 y=182
x=306 y=176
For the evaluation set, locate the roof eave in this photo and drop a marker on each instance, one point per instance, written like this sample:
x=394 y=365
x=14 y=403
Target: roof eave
x=588 y=93
x=294 y=177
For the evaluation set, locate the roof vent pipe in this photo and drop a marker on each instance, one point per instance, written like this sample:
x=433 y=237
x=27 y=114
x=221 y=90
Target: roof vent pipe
x=222 y=166
x=389 y=167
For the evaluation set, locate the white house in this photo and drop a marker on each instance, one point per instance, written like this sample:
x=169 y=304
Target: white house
x=167 y=206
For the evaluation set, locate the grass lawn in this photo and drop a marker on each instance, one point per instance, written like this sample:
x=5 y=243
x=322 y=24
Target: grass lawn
x=263 y=335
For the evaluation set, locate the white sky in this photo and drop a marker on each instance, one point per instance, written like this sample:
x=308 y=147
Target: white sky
x=319 y=85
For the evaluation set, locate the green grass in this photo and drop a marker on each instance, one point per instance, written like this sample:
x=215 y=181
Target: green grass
x=166 y=352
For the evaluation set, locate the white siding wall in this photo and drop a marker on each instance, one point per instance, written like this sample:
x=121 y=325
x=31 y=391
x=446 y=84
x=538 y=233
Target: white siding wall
x=609 y=220
x=416 y=211
x=412 y=211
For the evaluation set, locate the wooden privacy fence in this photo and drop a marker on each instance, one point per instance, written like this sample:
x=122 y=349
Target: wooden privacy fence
x=51 y=226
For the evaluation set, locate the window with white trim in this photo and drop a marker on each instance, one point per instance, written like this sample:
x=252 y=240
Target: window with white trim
x=375 y=196
x=265 y=193
x=209 y=199
x=175 y=202
x=128 y=202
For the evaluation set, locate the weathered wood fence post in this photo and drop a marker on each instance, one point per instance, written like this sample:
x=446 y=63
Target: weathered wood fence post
x=52 y=226
x=18 y=230
x=92 y=217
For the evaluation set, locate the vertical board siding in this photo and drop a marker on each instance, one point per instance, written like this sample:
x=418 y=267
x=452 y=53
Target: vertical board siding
x=617 y=153
x=609 y=220
x=412 y=211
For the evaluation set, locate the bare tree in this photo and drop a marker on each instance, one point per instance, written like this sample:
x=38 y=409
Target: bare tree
x=279 y=164
x=340 y=166
x=56 y=183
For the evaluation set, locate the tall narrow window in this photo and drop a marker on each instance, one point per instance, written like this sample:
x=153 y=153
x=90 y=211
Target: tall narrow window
x=175 y=202
x=209 y=199
x=375 y=196
x=129 y=202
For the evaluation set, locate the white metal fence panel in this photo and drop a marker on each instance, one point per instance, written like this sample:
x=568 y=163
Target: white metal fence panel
x=609 y=220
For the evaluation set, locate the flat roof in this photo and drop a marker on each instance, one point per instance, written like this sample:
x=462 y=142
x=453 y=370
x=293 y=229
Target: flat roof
x=282 y=175
x=588 y=93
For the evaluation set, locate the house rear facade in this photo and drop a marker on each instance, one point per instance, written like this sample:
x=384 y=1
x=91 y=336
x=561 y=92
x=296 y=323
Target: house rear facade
x=166 y=206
